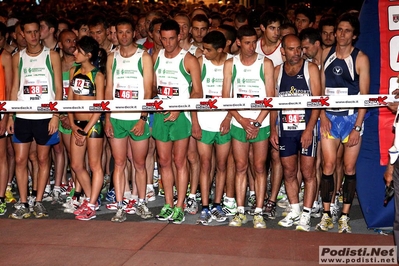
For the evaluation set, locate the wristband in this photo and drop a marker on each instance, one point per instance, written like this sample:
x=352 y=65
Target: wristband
x=81 y=132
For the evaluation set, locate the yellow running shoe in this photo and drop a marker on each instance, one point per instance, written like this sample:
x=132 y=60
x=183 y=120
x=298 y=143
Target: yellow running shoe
x=9 y=196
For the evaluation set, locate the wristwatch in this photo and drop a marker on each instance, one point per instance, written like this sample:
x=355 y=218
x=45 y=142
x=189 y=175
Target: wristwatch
x=257 y=124
x=357 y=128
x=144 y=118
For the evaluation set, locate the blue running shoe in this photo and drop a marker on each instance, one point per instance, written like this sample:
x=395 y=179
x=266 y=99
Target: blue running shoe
x=111 y=195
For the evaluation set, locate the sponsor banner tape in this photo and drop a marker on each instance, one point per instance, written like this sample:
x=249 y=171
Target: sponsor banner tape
x=352 y=101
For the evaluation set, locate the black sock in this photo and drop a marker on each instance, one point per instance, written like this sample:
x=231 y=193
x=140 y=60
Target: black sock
x=205 y=207
x=328 y=212
x=2 y=199
x=216 y=204
x=77 y=195
x=34 y=193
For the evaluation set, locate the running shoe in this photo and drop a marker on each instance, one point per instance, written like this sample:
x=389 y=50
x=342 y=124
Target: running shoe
x=259 y=222
x=343 y=225
x=81 y=208
x=21 y=213
x=283 y=203
x=143 y=211
x=86 y=215
x=205 y=217
x=48 y=196
x=3 y=208
x=166 y=213
x=286 y=211
x=192 y=206
x=178 y=215
x=64 y=189
x=334 y=208
x=9 y=197
x=229 y=207
x=270 y=210
x=150 y=195
x=252 y=200
x=18 y=204
x=218 y=214
x=110 y=195
x=325 y=223
x=31 y=202
x=39 y=210
x=131 y=207
x=114 y=205
x=317 y=210
x=238 y=220
x=290 y=220
x=56 y=197
x=281 y=193
x=120 y=216
x=71 y=205
x=304 y=222
x=198 y=195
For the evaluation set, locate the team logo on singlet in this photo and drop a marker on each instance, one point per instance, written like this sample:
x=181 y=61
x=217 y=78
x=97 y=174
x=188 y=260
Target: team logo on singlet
x=395 y=18
x=337 y=70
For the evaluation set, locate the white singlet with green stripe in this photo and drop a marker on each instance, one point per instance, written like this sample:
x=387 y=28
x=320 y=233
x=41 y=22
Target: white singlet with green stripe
x=36 y=81
x=212 y=81
x=128 y=81
x=249 y=82
x=173 y=81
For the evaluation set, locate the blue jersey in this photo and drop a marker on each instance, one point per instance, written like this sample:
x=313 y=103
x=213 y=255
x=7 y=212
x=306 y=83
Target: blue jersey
x=292 y=122
x=341 y=78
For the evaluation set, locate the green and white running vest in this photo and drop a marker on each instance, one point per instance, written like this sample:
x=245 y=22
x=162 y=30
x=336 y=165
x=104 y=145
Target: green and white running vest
x=249 y=82
x=36 y=81
x=212 y=84
x=128 y=81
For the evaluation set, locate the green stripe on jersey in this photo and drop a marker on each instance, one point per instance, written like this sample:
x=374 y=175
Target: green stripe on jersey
x=140 y=66
x=184 y=72
x=262 y=73
x=203 y=72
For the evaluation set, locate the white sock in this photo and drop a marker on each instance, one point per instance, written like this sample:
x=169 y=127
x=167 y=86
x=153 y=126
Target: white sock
x=127 y=194
x=251 y=192
x=240 y=209
x=192 y=196
x=296 y=208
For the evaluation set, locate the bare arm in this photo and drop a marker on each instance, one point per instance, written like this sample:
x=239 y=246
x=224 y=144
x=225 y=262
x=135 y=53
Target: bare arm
x=148 y=74
x=193 y=67
x=14 y=89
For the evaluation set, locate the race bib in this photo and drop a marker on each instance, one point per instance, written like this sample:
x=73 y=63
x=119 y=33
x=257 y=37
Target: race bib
x=293 y=120
x=36 y=89
x=126 y=94
x=241 y=95
x=168 y=91
x=213 y=96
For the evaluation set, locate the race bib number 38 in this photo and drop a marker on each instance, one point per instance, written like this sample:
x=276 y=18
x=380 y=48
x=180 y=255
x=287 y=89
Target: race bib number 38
x=36 y=89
